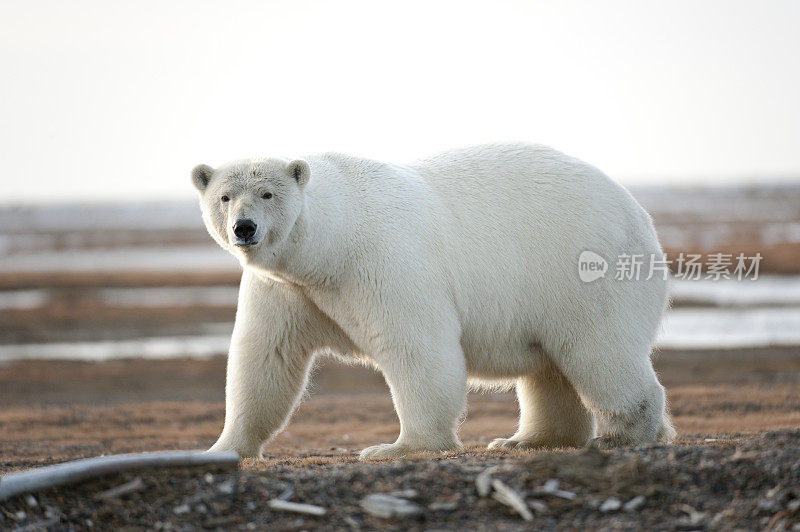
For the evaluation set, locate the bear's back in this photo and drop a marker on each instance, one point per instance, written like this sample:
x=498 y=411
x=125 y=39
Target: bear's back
x=533 y=200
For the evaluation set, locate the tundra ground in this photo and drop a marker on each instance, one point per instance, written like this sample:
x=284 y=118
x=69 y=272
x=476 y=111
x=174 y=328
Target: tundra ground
x=735 y=464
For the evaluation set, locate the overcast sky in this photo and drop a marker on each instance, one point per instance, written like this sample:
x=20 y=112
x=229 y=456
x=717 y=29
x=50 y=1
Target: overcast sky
x=117 y=100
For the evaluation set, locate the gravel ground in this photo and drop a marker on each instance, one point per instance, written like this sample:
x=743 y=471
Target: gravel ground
x=746 y=482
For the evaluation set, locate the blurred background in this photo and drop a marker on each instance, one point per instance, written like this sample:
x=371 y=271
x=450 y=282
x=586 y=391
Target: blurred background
x=105 y=107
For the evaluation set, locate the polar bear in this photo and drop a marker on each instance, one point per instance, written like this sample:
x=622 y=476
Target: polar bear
x=461 y=267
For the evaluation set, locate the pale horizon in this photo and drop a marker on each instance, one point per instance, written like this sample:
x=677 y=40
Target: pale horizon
x=111 y=102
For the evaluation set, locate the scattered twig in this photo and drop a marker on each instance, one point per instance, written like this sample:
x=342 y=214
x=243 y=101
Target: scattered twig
x=551 y=488
x=483 y=482
x=694 y=516
x=286 y=494
x=447 y=506
x=386 y=506
x=123 y=489
x=538 y=506
x=505 y=495
x=300 y=508
x=405 y=494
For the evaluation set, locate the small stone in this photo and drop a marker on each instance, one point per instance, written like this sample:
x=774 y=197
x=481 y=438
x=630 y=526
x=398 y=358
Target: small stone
x=634 y=504
x=550 y=485
x=612 y=504
x=31 y=501
x=766 y=505
x=209 y=478
x=226 y=488
x=20 y=515
x=201 y=508
x=182 y=509
x=387 y=507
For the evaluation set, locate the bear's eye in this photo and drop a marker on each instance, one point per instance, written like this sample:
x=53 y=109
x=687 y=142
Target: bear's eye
x=225 y=199
x=267 y=195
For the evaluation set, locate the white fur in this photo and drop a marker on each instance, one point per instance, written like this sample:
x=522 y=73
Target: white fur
x=460 y=266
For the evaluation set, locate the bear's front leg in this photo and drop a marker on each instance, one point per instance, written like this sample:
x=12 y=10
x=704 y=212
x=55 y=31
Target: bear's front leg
x=427 y=377
x=268 y=364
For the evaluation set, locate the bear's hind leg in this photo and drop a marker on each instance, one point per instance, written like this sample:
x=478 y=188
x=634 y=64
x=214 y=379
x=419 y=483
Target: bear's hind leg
x=551 y=414
x=624 y=394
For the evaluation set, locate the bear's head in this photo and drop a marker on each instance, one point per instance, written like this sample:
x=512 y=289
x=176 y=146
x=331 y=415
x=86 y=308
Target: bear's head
x=250 y=207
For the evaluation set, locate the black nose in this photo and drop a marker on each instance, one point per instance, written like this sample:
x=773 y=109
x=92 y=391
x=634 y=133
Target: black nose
x=244 y=228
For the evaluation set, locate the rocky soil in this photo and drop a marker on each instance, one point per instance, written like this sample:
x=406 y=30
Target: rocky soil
x=750 y=483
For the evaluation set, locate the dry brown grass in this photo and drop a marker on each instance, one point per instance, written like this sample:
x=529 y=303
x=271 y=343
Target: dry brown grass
x=56 y=411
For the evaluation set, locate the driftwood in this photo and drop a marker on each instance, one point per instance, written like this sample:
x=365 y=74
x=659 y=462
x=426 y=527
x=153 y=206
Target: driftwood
x=79 y=470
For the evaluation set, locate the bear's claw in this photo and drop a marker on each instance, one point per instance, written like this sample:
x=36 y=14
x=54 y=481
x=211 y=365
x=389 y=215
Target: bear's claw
x=400 y=450
x=384 y=450
x=510 y=444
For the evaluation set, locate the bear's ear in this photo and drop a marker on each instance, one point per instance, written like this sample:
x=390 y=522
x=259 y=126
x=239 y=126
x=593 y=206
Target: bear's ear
x=201 y=176
x=300 y=171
